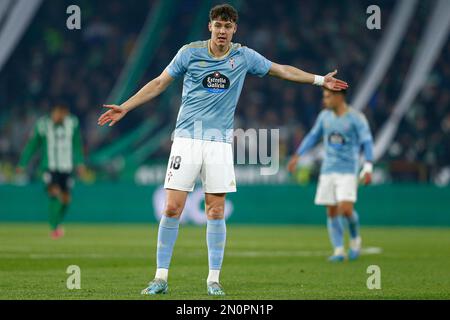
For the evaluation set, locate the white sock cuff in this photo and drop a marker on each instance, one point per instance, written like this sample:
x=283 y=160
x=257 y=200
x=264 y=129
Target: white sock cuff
x=213 y=276
x=339 y=251
x=162 y=273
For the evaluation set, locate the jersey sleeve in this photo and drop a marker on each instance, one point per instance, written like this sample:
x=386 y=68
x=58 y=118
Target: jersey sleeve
x=312 y=137
x=78 y=157
x=256 y=63
x=34 y=142
x=362 y=127
x=179 y=64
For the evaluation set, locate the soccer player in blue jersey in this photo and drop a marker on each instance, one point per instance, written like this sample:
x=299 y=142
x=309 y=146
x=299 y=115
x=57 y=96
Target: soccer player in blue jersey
x=214 y=71
x=344 y=131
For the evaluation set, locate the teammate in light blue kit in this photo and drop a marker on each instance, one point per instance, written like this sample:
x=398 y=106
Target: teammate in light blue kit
x=344 y=131
x=214 y=73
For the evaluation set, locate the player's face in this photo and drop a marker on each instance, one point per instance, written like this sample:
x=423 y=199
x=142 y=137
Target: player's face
x=329 y=99
x=222 y=32
x=58 y=115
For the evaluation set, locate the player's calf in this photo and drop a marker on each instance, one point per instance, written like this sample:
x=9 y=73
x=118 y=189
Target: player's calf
x=355 y=248
x=215 y=238
x=336 y=234
x=352 y=221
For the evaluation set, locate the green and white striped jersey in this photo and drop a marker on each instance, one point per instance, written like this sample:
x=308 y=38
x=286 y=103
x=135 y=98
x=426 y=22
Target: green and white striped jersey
x=60 y=144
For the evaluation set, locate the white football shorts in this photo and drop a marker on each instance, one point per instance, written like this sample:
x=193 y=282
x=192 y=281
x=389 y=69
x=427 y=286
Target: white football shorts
x=212 y=160
x=336 y=187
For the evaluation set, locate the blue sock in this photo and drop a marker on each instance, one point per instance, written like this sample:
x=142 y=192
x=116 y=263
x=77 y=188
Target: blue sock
x=353 y=224
x=167 y=235
x=215 y=238
x=335 y=231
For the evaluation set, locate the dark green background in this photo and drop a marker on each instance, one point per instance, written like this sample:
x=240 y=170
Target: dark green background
x=420 y=205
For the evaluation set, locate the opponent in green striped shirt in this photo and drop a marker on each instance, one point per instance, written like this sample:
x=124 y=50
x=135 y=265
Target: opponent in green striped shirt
x=57 y=137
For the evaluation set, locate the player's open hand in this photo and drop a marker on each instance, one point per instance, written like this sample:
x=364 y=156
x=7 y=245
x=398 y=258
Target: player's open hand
x=330 y=82
x=366 y=179
x=114 y=114
x=365 y=176
x=82 y=171
x=292 y=165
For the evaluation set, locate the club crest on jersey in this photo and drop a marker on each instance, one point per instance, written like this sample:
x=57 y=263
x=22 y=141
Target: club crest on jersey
x=336 y=140
x=231 y=61
x=216 y=82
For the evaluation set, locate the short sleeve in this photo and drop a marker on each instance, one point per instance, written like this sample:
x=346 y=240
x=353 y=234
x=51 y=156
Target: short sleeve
x=362 y=127
x=256 y=63
x=179 y=64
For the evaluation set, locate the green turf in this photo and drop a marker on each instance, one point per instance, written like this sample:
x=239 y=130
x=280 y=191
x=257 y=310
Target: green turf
x=289 y=262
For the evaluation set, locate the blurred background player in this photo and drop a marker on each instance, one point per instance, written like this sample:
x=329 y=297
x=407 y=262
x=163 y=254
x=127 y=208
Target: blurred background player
x=214 y=73
x=344 y=131
x=57 y=137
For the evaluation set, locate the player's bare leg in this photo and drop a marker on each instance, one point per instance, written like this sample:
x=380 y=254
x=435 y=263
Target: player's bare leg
x=336 y=234
x=215 y=238
x=167 y=235
x=346 y=208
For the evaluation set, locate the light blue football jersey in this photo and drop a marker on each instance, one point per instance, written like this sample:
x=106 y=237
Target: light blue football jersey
x=211 y=88
x=342 y=137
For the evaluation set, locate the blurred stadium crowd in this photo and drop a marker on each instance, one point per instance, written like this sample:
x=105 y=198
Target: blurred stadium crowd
x=81 y=67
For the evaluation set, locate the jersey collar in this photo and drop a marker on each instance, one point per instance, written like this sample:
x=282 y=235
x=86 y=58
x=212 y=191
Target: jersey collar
x=221 y=57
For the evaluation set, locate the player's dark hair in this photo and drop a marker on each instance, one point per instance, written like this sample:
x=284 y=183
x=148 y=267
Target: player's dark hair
x=60 y=105
x=223 y=12
x=342 y=92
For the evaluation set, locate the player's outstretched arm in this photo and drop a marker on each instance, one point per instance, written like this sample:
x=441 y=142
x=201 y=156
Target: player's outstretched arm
x=307 y=144
x=311 y=139
x=147 y=93
x=34 y=142
x=365 y=176
x=291 y=73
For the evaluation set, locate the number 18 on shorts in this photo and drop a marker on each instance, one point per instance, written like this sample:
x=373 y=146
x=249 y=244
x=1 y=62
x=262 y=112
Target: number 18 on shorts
x=212 y=160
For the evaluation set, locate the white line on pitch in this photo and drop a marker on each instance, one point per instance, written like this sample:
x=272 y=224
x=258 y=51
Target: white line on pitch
x=266 y=253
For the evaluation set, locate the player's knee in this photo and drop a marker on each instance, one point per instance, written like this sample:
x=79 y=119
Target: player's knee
x=173 y=210
x=65 y=198
x=332 y=214
x=53 y=191
x=347 y=213
x=332 y=211
x=346 y=210
x=215 y=212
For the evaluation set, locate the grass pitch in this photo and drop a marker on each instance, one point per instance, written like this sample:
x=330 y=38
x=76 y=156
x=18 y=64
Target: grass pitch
x=261 y=262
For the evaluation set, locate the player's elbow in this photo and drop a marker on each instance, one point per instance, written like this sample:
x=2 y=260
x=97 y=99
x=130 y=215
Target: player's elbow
x=154 y=88
x=283 y=72
x=279 y=71
x=159 y=84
